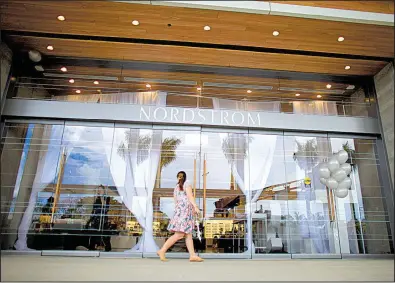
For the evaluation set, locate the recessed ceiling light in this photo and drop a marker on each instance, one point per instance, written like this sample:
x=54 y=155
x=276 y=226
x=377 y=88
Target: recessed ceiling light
x=347 y=67
x=39 y=68
x=13 y=79
x=328 y=86
x=96 y=82
x=63 y=69
x=340 y=39
x=50 y=47
x=99 y=90
x=298 y=94
x=199 y=88
x=148 y=85
x=71 y=81
x=61 y=18
x=207 y=28
x=276 y=33
x=135 y=23
x=249 y=91
x=319 y=96
x=78 y=91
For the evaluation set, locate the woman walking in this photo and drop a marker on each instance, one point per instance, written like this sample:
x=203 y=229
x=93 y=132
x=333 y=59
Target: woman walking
x=182 y=223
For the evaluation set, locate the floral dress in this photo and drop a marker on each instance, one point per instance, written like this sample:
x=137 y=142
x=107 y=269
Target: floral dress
x=182 y=220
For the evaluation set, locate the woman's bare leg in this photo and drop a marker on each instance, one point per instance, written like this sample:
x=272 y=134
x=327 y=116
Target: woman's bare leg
x=170 y=242
x=191 y=248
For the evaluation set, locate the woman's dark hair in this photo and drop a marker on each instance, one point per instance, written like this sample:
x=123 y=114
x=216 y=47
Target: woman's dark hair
x=184 y=175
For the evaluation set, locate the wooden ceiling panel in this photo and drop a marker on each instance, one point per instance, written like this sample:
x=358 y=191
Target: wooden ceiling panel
x=113 y=19
x=198 y=56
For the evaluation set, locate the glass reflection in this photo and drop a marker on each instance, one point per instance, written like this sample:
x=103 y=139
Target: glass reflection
x=79 y=187
x=311 y=216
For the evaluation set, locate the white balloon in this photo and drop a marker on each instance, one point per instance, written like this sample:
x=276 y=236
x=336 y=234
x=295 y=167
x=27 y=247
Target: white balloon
x=345 y=184
x=324 y=171
x=323 y=181
x=341 y=192
x=339 y=175
x=333 y=164
x=346 y=167
x=332 y=183
x=342 y=156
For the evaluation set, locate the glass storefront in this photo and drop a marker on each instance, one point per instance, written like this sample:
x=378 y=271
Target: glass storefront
x=106 y=187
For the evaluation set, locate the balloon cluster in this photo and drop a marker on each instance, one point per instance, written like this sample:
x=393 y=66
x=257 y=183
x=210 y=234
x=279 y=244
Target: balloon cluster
x=334 y=174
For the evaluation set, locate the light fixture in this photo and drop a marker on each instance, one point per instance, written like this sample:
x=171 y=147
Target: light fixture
x=207 y=28
x=50 y=47
x=319 y=96
x=350 y=87
x=61 y=18
x=63 y=69
x=96 y=82
x=340 y=39
x=276 y=33
x=39 y=68
x=78 y=91
x=298 y=94
x=347 y=67
x=13 y=79
x=71 y=81
x=148 y=86
x=135 y=22
x=328 y=86
x=249 y=91
x=99 y=90
x=199 y=88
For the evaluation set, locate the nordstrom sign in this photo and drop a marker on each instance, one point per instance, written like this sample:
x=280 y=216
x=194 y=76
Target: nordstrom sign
x=199 y=116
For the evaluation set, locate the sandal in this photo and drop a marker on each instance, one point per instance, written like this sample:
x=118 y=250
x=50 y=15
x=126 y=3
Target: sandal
x=196 y=259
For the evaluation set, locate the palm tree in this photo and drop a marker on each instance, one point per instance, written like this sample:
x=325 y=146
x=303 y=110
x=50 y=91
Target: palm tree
x=235 y=147
x=168 y=155
x=168 y=150
x=351 y=154
x=306 y=156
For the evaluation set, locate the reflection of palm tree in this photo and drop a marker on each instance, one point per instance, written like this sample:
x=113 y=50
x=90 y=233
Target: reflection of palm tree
x=235 y=147
x=168 y=150
x=306 y=156
x=351 y=153
x=168 y=155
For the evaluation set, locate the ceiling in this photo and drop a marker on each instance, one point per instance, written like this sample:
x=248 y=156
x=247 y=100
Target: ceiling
x=103 y=30
x=113 y=19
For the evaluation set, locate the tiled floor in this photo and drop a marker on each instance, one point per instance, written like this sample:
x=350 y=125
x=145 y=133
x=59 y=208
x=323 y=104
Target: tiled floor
x=46 y=268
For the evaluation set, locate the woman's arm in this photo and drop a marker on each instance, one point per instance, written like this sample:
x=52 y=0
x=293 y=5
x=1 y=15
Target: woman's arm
x=188 y=190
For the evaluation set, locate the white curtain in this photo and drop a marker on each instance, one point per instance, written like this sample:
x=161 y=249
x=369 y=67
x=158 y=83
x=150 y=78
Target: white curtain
x=78 y=97
x=145 y=98
x=246 y=105
x=315 y=107
x=136 y=185
x=45 y=174
x=250 y=173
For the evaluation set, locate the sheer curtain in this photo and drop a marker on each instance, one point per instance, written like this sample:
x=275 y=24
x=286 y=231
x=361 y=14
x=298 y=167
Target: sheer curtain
x=78 y=97
x=315 y=107
x=246 y=105
x=251 y=173
x=45 y=174
x=135 y=186
x=146 y=98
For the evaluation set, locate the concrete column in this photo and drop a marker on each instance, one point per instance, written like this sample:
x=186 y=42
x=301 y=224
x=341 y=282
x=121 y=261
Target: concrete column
x=384 y=84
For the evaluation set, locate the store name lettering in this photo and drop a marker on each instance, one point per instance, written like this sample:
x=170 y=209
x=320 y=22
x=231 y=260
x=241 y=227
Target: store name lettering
x=199 y=116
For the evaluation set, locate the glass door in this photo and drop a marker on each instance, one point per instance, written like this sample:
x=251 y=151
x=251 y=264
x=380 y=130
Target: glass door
x=224 y=195
x=174 y=149
x=312 y=218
